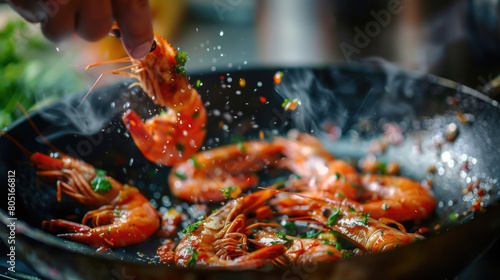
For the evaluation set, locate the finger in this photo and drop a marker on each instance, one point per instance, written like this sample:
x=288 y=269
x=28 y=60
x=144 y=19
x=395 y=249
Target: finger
x=28 y=10
x=60 y=23
x=94 y=19
x=136 y=25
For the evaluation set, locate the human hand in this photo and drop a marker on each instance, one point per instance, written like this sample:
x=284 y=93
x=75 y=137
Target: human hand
x=92 y=20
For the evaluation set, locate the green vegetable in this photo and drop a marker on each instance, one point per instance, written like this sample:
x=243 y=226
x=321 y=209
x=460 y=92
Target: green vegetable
x=310 y=234
x=181 y=59
x=193 y=259
x=241 y=147
x=453 y=216
x=33 y=72
x=227 y=192
x=282 y=236
x=289 y=226
x=100 y=183
x=192 y=227
x=195 y=162
x=180 y=175
x=364 y=218
x=346 y=254
x=334 y=217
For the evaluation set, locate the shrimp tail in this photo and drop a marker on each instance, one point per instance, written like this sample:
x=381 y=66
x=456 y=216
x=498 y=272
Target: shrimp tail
x=135 y=126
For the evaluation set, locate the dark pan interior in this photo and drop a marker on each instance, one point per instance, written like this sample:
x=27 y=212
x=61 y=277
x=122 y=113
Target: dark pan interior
x=359 y=99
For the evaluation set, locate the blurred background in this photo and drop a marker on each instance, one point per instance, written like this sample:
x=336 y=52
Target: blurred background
x=458 y=40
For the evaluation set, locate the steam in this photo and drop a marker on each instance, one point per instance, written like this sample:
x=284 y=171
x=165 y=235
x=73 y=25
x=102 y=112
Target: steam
x=446 y=28
x=339 y=97
x=72 y=116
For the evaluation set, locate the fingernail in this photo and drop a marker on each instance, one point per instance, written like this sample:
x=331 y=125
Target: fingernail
x=141 y=50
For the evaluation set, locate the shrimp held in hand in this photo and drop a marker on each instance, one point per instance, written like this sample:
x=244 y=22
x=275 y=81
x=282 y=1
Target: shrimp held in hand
x=175 y=135
x=122 y=215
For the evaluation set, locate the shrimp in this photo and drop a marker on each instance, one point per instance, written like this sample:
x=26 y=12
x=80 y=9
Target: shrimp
x=305 y=155
x=300 y=251
x=359 y=228
x=221 y=173
x=122 y=215
x=175 y=135
x=221 y=241
x=393 y=197
x=369 y=234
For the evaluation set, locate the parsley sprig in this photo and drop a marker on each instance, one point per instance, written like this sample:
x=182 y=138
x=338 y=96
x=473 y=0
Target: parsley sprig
x=100 y=183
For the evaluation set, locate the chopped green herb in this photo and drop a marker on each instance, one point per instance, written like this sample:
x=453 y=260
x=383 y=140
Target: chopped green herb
x=195 y=163
x=239 y=246
x=180 y=147
x=351 y=209
x=241 y=147
x=282 y=236
x=227 y=192
x=382 y=167
x=340 y=195
x=180 y=175
x=100 y=183
x=100 y=172
x=415 y=239
x=329 y=253
x=339 y=176
x=193 y=259
x=334 y=217
x=310 y=234
x=198 y=83
x=289 y=226
x=385 y=206
x=181 y=59
x=364 y=218
x=453 y=216
x=338 y=245
x=285 y=102
x=291 y=105
x=327 y=241
x=192 y=227
x=346 y=254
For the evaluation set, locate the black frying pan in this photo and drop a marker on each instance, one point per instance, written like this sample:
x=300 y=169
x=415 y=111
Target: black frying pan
x=359 y=99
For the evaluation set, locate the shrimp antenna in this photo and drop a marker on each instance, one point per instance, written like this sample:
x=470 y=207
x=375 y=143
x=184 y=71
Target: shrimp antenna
x=19 y=145
x=117 y=71
x=37 y=131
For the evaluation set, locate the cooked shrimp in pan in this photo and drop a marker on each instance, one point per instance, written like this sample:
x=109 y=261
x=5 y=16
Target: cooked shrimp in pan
x=395 y=197
x=221 y=239
x=122 y=215
x=222 y=173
